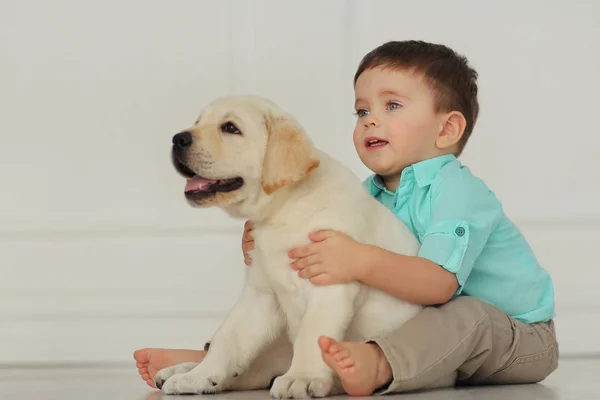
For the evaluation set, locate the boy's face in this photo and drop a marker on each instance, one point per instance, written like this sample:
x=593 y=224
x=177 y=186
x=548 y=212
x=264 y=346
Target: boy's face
x=396 y=124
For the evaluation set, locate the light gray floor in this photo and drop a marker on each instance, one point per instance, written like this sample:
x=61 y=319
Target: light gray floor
x=574 y=379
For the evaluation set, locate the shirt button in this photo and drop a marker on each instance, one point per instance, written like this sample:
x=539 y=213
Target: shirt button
x=460 y=231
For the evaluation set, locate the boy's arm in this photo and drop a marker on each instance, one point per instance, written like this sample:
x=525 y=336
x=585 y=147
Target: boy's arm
x=464 y=214
x=414 y=279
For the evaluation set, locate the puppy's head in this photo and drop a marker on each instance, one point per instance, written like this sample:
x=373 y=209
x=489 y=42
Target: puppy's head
x=241 y=145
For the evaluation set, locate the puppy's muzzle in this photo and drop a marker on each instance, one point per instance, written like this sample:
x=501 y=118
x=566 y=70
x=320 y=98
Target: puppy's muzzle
x=182 y=140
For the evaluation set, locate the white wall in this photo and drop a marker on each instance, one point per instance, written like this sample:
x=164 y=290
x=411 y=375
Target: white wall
x=100 y=254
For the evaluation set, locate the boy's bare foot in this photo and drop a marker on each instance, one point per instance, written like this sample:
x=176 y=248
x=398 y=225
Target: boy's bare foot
x=362 y=368
x=150 y=361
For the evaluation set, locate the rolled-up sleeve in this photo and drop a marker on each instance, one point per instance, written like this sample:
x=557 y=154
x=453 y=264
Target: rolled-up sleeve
x=464 y=214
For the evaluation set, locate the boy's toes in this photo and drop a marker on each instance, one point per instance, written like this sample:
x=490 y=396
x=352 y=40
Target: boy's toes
x=341 y=355
x=345 y=363
x=334 y=349
x=142 y=356
x=325 y=343
x=329 y=360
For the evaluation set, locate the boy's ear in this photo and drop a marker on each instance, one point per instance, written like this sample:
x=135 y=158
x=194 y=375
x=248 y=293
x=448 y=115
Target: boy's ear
x=453 y=127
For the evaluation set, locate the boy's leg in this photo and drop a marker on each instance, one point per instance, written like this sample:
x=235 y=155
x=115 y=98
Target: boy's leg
x=533 y=357
x=467 y=341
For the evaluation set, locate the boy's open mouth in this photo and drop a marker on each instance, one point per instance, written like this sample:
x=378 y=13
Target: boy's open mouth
x=374 y=142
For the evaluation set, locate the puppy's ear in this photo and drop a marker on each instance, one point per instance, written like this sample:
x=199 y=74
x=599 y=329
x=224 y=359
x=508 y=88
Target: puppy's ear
x=290 y=155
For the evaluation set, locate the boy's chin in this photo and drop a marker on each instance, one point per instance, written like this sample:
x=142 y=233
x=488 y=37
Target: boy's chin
x=382 y=166
x=385 y=170
x=388 y=177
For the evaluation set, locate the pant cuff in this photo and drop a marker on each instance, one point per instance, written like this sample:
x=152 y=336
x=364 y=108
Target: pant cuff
x=390 y=356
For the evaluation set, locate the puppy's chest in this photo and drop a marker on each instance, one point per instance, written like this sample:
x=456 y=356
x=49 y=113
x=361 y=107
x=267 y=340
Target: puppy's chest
x=277 y=269
x=292 y=292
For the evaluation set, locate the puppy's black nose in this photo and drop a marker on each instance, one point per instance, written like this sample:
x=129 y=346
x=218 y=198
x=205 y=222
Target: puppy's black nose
x=183 y=139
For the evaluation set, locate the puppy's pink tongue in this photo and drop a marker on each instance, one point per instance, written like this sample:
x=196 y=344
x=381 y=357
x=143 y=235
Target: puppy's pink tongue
x=198 y=183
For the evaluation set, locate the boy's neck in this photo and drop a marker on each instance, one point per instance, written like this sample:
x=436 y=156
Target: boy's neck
x=391 y=182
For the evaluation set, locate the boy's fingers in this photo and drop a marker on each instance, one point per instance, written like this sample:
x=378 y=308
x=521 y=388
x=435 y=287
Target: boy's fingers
x=321 y=235
x=320 y=279
x=247 y=243
x=305 y=262
x=247 y=237
x=303 y=251
x=247 y=246
x=309 y=272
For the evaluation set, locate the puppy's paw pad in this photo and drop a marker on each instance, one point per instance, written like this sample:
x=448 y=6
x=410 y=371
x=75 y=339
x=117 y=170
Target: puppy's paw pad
x=161 y=377
x=289 y=387
x=191 y=383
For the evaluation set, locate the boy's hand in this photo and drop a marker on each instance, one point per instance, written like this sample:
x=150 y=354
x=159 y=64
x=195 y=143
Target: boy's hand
x=247 y=242
x=332 y=258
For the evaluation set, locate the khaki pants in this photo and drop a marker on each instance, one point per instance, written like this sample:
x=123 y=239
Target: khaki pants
x=467 y=342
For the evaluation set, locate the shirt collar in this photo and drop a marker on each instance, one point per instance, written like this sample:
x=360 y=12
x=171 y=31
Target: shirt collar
x=427 y=170
x=423 y=172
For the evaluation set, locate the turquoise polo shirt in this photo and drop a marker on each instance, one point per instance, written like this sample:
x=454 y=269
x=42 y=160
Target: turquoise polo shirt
x=462 y=227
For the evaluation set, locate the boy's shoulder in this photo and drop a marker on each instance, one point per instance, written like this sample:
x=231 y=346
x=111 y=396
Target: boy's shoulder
x=457 y=195
x=442 y=176
x=456 y=175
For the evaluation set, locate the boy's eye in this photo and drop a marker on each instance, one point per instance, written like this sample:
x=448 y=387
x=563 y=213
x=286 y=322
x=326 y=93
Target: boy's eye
x=361 y=112
x=394 y=106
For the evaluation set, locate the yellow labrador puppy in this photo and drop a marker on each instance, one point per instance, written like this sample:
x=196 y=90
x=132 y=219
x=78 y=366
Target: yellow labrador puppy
x=254 y=160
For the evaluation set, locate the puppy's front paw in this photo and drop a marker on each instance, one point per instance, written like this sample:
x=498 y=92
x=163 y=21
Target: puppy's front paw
x=296 y=387
x=194 y=382
x=166 y=373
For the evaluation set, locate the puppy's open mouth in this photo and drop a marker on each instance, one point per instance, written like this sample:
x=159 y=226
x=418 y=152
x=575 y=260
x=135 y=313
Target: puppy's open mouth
x=199 y=187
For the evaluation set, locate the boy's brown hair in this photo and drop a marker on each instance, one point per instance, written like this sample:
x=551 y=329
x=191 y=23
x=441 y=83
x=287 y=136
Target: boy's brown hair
x=453 y=81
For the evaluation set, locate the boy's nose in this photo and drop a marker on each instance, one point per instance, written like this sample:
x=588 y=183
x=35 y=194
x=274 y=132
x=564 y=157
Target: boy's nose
x=370 y=120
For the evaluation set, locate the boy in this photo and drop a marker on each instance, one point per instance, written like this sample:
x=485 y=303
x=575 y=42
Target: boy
x=490 y=305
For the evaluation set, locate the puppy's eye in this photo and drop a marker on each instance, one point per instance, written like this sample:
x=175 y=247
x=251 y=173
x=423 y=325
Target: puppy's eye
x=229 y=127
